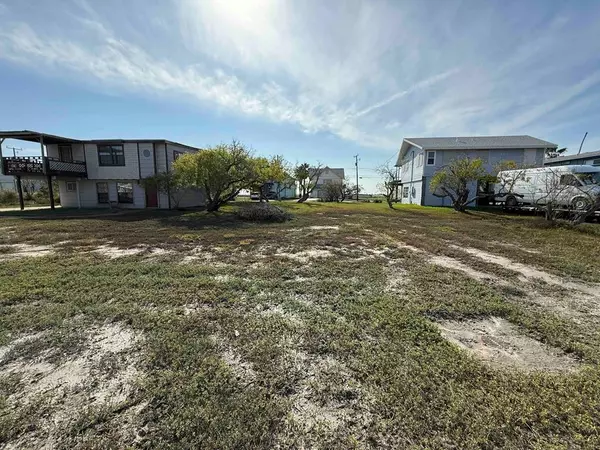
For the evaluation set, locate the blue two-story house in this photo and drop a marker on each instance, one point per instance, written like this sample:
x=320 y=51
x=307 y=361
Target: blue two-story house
x=420 y=158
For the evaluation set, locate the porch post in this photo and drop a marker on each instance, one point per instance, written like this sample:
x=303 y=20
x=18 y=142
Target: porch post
x=78 y=194
x=20 y=192
x=50 y=191
x=1 y=161
x=42 y=144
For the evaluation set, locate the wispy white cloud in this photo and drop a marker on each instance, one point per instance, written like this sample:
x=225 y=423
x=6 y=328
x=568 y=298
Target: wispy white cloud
x=420 y=85
x=370 y=73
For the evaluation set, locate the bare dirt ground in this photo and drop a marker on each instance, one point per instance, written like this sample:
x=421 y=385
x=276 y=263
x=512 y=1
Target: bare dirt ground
x=391 y=329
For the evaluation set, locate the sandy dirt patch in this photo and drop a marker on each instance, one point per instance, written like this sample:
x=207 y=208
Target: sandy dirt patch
x=243 y=370
x=326 y=398
x=396 y=280
x=116 y=252
x=17 y=251
x=451 y=263
x=72 y=386
x=306 y=255
x=324 y=227
x=499 y=343
x=529 y=273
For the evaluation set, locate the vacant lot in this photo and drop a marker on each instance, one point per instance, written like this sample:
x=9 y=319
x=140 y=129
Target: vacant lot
x=351 y=326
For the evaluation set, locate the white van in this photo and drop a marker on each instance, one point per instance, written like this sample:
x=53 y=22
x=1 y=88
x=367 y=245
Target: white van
x=572 y=186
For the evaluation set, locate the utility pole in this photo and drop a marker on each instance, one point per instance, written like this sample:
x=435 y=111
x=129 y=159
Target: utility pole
x=15 y=150
x=356 y=165
x=582 y=141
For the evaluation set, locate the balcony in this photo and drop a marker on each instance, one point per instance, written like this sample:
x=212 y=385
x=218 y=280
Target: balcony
x=43 y=165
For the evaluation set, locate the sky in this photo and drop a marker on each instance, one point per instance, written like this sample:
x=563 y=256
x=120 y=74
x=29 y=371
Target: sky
x=316 y=81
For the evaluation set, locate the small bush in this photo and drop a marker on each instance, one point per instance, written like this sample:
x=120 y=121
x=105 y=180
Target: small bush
x=8 y=198
x=377 y=200
x=263 y=212
x=40 y=197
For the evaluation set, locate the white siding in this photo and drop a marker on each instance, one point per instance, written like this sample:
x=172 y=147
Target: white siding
x=142 y=159
x=130 y=171
x=89 y=197
x=146 y=158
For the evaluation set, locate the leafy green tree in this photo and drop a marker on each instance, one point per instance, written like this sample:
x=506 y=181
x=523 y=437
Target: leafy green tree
x=269 y=172
x=453 y=181
x=307 y=178
x=221 y=172
x=169 y=183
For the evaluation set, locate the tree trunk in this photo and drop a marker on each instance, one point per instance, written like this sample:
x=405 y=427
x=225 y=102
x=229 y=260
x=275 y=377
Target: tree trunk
x=303 y=198
x=213 y=206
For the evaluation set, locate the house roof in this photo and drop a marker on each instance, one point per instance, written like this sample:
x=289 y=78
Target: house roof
x=36 y=136
x=472 y=143
x=567 y=158
x=337 y=172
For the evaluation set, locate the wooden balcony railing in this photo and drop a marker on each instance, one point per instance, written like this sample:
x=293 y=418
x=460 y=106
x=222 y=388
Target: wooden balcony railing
x=43 y=165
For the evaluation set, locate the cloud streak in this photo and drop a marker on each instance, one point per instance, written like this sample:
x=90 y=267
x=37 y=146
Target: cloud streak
x=366 y=73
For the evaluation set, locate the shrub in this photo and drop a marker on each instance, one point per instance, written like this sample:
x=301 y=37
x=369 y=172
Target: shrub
x=42 y=198
x=8 y=197
x=263 y=212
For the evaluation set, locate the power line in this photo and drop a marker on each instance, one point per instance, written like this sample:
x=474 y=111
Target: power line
x=15 y=150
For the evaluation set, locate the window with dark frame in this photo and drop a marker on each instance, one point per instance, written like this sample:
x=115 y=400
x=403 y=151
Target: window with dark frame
x=569 y=180
x=176 y=155
x=65 y=152
x=71 y=186
x=405 y=192
x=102 y=192
x=125 y=192
x=430 y=158
x=111 y=155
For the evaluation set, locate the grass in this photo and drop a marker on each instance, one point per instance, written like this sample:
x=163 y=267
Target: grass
x=295 y=335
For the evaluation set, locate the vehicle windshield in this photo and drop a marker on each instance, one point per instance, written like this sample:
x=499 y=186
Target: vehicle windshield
x=589 y=178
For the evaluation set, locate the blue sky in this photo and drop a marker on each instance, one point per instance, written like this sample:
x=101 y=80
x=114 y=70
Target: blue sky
x=314 y=80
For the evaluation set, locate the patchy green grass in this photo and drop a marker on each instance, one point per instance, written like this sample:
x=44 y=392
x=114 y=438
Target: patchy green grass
x=198 y=330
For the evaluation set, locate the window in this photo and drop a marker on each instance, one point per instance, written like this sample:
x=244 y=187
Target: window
x=431 y=158
x=176 y=155
x=125 y=192
x=71 y=186
x=405 y=192
x=596 y=162
x=111 y=155
x=102 y=192
x=569 y=180
x=65 y=153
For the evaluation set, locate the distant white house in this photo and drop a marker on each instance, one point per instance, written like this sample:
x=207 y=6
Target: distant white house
x=328 y=175
x=7 y=183
x=96 y=173
x=420 y=158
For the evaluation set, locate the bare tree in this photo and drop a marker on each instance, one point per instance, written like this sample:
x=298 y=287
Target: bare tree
x=308 y=179
x=389 y=184
x=569 y=196
x=335 y=191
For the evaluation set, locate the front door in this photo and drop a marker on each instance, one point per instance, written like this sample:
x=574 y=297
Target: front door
x=151 y=198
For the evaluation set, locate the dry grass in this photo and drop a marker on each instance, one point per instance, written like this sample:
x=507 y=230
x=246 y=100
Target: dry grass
x=352 y=326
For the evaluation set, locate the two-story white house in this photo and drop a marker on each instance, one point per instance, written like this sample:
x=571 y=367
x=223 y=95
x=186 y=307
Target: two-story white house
x=98 y=173
x=327 y=175
x=420 y=158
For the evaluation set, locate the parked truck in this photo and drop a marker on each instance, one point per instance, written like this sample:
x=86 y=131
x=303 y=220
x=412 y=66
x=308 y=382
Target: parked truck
x=570 y=187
